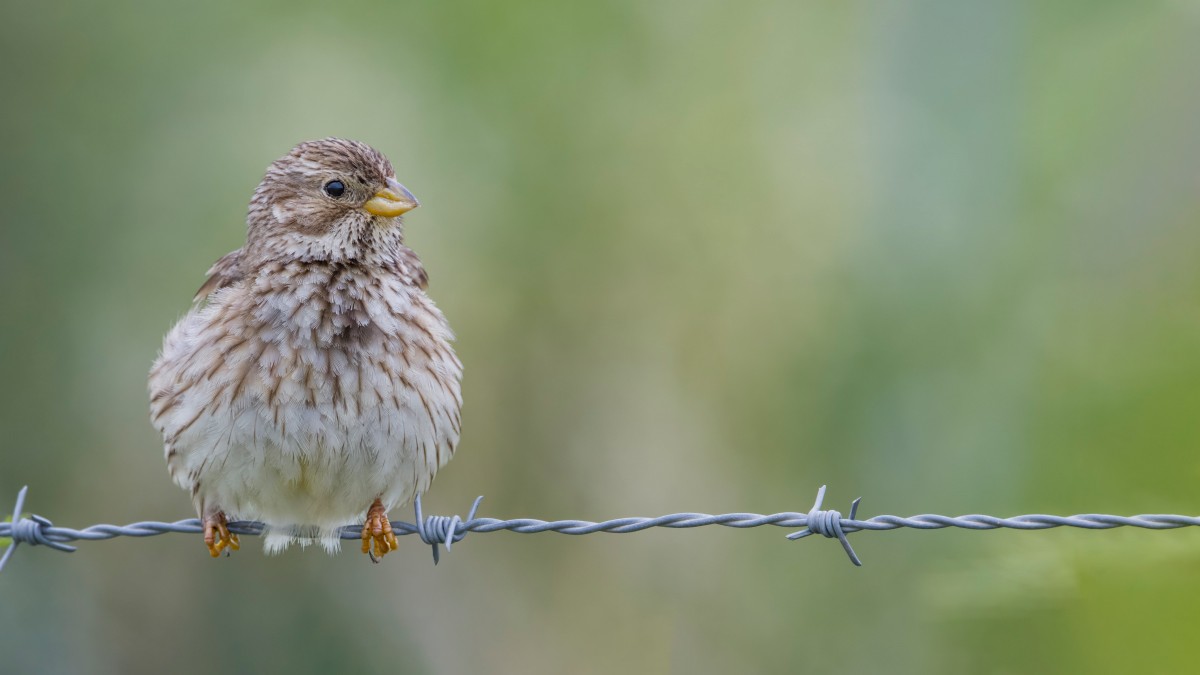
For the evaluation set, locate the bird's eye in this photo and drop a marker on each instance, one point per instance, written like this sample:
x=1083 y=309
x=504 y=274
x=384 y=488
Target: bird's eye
x=335 y=188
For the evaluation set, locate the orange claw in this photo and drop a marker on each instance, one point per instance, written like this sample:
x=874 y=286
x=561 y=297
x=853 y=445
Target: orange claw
x=377 y=530
x=217 y=535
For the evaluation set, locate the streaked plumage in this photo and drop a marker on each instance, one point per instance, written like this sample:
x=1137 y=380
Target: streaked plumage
x=317 y=375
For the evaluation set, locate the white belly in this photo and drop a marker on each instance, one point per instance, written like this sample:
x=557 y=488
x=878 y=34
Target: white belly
x=319 y=472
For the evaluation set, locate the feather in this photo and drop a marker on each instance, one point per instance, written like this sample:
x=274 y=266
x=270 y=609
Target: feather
x=224 y=272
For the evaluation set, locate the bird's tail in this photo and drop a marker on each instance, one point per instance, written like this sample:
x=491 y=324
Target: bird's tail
x=278 y=539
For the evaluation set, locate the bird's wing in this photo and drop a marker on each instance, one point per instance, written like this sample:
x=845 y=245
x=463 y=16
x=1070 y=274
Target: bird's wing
x=224 y=272
x=411 y=269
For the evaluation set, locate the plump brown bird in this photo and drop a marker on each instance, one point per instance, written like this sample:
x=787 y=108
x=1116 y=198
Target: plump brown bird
x=314 y=385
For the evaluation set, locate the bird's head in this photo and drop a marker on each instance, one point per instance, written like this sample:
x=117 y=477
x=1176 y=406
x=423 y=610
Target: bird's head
x=332 y=199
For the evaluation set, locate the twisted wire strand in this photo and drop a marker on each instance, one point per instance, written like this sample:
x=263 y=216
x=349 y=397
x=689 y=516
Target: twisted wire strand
x=437 y=531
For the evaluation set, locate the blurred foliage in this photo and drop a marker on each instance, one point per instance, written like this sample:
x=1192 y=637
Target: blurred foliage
x=700 y=256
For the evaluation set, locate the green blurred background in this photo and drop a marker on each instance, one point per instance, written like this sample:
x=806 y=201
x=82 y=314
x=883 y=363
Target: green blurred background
x=700 y=256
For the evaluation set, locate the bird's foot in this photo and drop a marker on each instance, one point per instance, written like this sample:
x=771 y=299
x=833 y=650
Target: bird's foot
x=377 y=530
x=217 y=535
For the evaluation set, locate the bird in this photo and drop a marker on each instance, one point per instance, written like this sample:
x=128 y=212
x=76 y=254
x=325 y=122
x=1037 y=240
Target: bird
x=313 y=383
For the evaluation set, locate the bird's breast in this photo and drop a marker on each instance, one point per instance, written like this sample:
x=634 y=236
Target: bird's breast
x=324 y=371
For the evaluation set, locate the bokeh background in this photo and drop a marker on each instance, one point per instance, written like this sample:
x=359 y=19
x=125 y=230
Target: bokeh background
x=700 y=256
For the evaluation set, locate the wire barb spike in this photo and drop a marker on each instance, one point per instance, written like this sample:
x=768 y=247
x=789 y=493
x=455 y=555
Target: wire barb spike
x=438 y=530
x=830 y=524
x=29 y=530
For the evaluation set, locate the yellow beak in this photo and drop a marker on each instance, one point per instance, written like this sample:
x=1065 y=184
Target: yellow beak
x=391 y=201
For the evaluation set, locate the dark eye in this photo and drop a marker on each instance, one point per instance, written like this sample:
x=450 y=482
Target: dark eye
x=335 y=188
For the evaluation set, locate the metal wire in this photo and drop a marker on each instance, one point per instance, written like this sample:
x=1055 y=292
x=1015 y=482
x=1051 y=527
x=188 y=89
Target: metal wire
x=446 y=530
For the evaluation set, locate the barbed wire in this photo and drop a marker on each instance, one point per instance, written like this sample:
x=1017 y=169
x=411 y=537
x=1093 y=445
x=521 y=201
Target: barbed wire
x=438 y=531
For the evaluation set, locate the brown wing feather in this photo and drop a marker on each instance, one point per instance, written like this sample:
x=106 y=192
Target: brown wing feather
x=224 y=272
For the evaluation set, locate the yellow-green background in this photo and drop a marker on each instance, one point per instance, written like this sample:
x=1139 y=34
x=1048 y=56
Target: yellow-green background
x=700 y=256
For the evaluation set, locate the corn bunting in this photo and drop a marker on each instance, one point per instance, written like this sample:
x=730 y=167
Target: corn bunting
x=313 y=385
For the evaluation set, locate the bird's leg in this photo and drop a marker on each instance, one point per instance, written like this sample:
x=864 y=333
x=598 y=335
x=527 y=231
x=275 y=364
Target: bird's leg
x=217 y=535
x=378 y=530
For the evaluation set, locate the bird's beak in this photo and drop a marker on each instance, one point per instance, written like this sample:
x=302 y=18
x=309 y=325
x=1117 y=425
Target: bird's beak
x=391 y=201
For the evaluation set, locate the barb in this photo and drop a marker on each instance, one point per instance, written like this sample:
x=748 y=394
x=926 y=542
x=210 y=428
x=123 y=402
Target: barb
x=829 y=524
x=447 y=530
x=29 y=530
x=442 y=529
